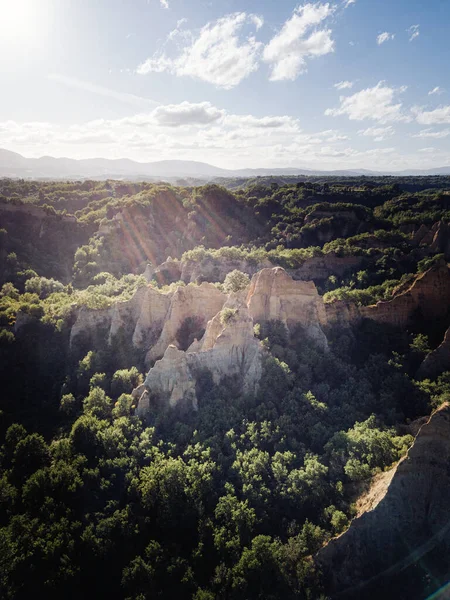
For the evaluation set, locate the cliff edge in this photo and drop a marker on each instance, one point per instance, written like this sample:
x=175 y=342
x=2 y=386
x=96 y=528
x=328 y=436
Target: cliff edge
x=411 y=519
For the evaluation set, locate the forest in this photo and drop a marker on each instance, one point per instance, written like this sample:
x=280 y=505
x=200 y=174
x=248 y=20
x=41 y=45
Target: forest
x=234 y=500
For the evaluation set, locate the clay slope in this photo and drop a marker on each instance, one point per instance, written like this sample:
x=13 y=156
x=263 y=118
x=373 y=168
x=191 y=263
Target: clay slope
x=151 y=320
x=317 y=268
x=228 y=346
x=410 y=521
x=159 y=325
x=227 y=349
x=427 y=297
x=437 y=361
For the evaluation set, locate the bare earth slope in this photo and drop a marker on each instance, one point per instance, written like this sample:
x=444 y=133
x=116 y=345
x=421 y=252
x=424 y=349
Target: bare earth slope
x=401 y=528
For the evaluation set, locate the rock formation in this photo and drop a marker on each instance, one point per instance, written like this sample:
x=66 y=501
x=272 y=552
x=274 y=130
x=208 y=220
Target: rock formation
x=437 y=361
x=316 y=268
x=184 y=332
x=403 y=525
x=196 y=302
x=228 y=348
x=273 y=295
x=435 y=238
x=427 y=297
x=151 y=319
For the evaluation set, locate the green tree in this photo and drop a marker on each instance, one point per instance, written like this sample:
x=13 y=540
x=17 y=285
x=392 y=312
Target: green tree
x=235 y=281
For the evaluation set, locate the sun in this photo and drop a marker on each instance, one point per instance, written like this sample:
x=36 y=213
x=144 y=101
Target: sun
x=18 y=20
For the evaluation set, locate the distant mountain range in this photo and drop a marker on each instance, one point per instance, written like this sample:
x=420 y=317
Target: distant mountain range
x=47 y=167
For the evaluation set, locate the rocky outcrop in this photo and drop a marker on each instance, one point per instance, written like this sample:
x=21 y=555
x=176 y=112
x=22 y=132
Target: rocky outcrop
x=437 y=361
x=319 y=268
x=273 y=295
x=427 y=297
x=228 y=346
x=199 y=303
x=88 y=321
x=151 y=319
x=216 y=269
x=436 y=238
x=184 y=332
x=227 y=349
x=403 y=525
x=140 y=319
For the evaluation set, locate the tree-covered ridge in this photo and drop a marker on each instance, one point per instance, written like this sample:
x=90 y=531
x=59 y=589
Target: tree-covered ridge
x=233 y=500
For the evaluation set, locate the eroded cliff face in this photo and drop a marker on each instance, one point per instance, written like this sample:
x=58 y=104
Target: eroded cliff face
x=228 y=346
x=437 y=361
x=436 y=238
x=427 y=298
x=408 y=521
x=198 y=303
x=151 y=319
x=317 y=268
x=274 y=295
x=227 y=349
x=185 y=332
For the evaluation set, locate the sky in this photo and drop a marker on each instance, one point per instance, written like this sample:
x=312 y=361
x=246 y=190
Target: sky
x=238 y=84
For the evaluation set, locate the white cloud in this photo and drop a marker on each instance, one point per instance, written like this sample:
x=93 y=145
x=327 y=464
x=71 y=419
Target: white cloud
x=164 y=3
x=437 y=90
x=427 y=150
x=218 y=55
x=257 y=20
x=385 y=37
x=343 y=85
x=288 y=51
x=196 y=131
x=429 y=133
x=330 y=136
x=379 y=134
x=348 y=3
x=175 y=115
x=413 y=32
x=262 y=122
x=439 y=116
x=375 y=103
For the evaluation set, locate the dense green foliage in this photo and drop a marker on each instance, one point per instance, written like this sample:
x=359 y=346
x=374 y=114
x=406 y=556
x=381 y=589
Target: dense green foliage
x=230 y=501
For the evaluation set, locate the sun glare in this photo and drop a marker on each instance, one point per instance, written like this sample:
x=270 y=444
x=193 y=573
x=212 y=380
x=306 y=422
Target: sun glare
x=18 y=20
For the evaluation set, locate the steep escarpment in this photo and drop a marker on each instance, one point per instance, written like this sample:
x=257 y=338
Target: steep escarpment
x=437 y=361
x=228 y=349
x=197 y=328
x=41 y=239
x=273 y=295
x=435 y=238
x=426 y=298
x=228 y=346
x=185 y=331
x=316 y=268
x=410 y=521
x=152 y=320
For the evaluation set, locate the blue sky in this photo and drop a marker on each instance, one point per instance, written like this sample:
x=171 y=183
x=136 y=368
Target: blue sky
x=344 y=84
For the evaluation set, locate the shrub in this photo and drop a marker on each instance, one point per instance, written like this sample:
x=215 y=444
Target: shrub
x=236 y=281
x=68 y=405
x=429 y=262
x=42 y=286
x=6 y=337
x=227 y=314
x=125 y=380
